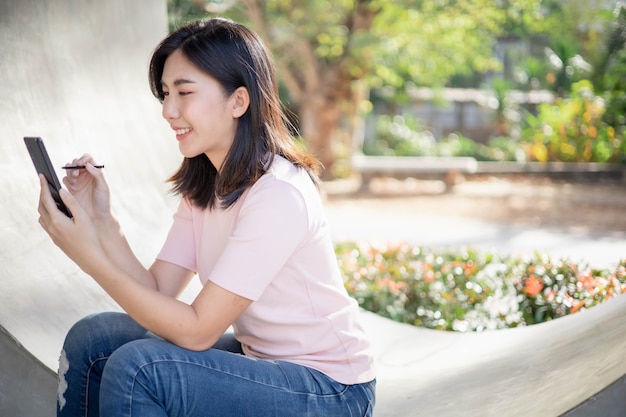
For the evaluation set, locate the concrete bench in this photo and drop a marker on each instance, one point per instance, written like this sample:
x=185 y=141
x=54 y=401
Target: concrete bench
x=558 y=368
x=446 y=168
x=450 y=169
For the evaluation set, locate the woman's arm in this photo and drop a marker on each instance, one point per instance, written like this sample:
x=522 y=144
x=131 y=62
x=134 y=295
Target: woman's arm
x=197 y=326
x=167 y=278
x=90 y=189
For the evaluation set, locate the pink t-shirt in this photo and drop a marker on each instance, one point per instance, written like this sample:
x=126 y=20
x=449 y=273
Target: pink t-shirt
x=274 y=247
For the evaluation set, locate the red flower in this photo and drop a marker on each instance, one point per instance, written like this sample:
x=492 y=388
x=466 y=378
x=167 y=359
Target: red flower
x=577 y=307
x=391 y=286
x=533 y=286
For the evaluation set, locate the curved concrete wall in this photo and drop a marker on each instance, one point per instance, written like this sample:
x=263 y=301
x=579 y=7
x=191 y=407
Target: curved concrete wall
x=75 y=73
x=543 y=370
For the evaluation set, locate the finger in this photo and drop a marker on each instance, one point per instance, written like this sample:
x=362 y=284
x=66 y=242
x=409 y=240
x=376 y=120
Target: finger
x=71 y=203
x=43 y=215
x=71 y=179
x=83 y=160
x=86 y=159
x=46 y=202
x=48 y=209
x=98 y=176
x=71 y=174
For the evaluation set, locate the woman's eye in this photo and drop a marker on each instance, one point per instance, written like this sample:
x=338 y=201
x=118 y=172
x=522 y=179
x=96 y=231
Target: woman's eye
x=166 y=93
x=184 y=93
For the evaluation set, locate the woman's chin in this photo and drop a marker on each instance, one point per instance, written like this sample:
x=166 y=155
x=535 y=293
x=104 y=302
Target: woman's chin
x=188 y=152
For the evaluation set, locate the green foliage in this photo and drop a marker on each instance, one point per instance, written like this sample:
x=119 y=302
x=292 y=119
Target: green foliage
x=615 y=115
x=609 y=74
x=405 y=136
x=576 y=128
x=573 y=130
x=500 y=148
x=407 y=40
x=566 y=65
x=577 y=26
x=183 y=11
x=322 y=46
x=531 y=73
x=400 y=136
x=421 y=43
x=470 y=290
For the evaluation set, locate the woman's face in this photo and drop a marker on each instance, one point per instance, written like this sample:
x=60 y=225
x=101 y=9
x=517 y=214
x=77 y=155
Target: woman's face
x=197 y=108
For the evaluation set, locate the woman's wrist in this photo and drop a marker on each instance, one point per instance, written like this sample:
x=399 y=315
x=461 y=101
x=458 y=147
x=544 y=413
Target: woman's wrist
x=96 y=264
x=106 y=223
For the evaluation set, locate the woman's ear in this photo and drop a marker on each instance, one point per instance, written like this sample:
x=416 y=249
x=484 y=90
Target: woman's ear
x=241 y=101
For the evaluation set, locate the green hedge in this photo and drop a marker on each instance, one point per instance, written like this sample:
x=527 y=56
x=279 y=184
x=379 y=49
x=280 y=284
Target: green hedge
x=572 y=129
x=470 y=290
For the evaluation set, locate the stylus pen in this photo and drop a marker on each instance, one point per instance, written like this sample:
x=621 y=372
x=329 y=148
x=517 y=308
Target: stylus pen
x=80 y=166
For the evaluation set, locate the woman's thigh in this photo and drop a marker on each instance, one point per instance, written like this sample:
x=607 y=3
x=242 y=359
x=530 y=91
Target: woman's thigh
x=156 y=378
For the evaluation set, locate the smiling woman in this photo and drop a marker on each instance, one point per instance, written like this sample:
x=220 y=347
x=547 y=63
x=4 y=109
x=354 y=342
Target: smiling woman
x=203 y=115
x=251 y=225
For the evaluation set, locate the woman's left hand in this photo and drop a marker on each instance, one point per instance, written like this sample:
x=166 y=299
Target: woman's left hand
x=76 y=237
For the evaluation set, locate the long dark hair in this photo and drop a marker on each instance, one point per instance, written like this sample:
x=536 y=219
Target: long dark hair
x=236 y=57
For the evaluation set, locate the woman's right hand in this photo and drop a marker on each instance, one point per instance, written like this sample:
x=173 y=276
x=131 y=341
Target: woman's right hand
x=89 y=187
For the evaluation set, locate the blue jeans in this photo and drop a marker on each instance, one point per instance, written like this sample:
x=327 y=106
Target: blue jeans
x=111 y=366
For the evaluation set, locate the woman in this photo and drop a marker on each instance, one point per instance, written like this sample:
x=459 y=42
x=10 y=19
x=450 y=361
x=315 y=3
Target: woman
x=251 y=225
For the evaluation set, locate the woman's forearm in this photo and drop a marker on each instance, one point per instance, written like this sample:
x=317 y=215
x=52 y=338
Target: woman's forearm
x=119 y=252
x=167 y=317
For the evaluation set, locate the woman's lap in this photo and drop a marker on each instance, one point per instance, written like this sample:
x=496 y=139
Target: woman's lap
x=149 y=376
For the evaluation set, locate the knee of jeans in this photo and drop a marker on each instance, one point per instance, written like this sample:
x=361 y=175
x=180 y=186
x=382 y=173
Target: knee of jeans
x=82 y=338
x=132 y=356
x=96 y=336
x=91 y=328
x=127 y=362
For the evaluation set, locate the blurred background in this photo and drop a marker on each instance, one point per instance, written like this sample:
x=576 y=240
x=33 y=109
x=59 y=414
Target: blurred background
x=507 y=80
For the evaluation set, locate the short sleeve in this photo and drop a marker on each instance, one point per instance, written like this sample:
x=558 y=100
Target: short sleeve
x=271 y=225
x=179 y=246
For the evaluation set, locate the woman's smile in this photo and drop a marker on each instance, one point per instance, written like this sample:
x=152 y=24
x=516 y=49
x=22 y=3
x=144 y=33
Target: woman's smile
x=198 y=109
x=182 y=133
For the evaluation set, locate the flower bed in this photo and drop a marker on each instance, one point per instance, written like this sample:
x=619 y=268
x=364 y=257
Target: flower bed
x=470 y=290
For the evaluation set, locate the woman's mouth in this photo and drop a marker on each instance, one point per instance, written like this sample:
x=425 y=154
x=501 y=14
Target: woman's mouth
x=182 y=133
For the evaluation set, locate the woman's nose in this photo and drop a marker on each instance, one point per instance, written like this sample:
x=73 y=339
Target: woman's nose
x=170 y=110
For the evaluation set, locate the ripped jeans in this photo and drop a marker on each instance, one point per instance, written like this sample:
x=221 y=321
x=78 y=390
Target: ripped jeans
x=111 y=366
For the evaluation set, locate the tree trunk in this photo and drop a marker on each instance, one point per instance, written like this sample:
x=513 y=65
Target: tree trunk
x=319 y=88
x=320 y=116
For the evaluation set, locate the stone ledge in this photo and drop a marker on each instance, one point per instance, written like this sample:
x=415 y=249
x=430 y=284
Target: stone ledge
x=451 y=169
x=543 y=370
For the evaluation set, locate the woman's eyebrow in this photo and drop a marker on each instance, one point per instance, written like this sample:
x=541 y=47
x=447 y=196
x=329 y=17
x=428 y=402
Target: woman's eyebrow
x=178 y=82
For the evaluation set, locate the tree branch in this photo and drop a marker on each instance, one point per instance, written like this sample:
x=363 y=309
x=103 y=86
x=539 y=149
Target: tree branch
x=256 y=12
